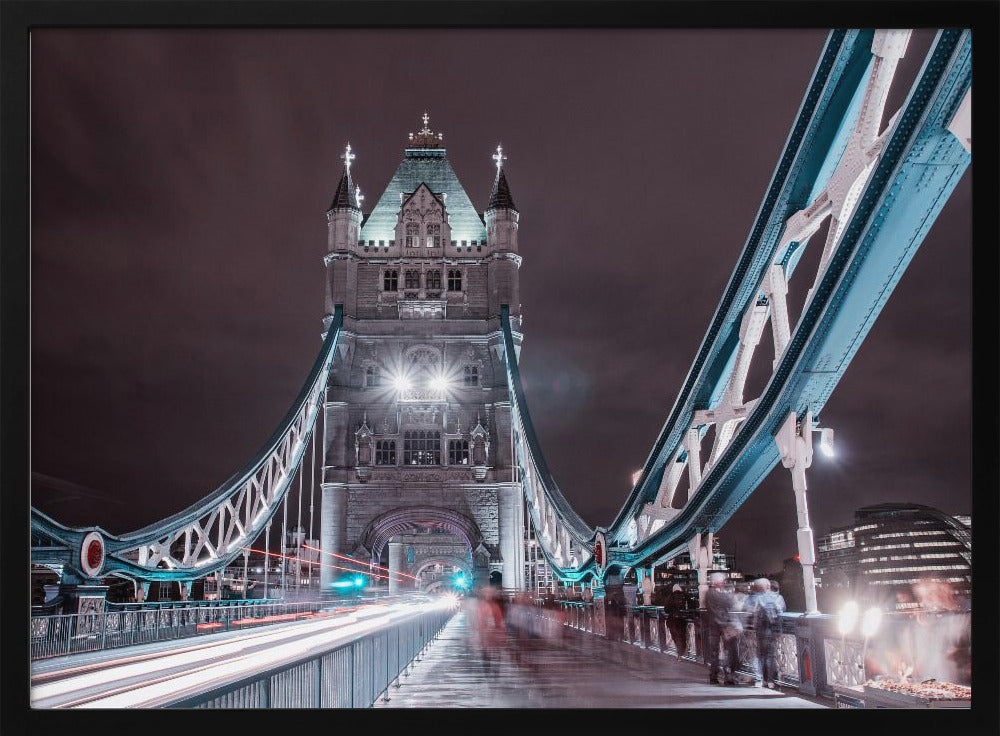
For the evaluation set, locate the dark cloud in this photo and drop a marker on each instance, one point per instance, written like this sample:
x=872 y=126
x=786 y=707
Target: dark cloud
x=178 y=187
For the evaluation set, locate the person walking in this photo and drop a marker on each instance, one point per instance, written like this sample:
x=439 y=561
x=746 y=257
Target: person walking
x=723 y=627
x=674 y=607
x=765 y=607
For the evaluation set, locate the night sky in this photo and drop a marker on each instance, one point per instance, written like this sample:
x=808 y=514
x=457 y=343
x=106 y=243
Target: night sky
x=179 y=181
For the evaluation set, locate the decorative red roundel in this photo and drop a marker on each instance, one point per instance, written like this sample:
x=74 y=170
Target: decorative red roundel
x=94 y=553
x=599 y=553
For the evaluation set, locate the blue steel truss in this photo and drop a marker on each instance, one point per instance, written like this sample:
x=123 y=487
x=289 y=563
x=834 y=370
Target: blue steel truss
x=915 y=166
x=920 y=164
x=210 y=534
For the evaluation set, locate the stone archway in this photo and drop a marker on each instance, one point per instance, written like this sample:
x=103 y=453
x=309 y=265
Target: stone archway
x=459 y=535
x=411 y=518
x=427 y=583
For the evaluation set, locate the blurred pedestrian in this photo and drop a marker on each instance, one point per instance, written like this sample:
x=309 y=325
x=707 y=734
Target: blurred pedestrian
x=723 y=628
x=674 y=607
x=765 y=607
x=647 y=589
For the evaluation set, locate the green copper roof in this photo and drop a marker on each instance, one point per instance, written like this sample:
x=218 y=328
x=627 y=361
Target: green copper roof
x=428 y=166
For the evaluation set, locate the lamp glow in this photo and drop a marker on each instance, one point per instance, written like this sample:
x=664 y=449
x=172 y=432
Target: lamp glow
x=359 y=581
x=826 y=441
x=848 y=617
x=870 y=621
x=401 y=383
x=440 y=383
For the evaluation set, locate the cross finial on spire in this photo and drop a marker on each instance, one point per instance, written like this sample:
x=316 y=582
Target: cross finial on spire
x=426 y=138
x=348 y=157
x=499 y=158
x=358 y=196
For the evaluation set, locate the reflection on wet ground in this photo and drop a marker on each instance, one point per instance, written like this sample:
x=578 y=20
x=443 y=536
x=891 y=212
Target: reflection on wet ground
x=473 y=664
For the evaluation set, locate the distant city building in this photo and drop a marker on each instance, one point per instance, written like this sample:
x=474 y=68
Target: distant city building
x=889 y=549
x=680 y=571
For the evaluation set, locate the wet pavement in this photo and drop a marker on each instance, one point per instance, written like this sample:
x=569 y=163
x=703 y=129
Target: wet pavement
x=460 y=670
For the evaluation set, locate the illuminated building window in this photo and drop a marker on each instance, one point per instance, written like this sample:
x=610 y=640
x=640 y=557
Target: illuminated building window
x=412 y=280
x=434 y=279
x=454 y=280
x=390 y=281
x=470 y=376
x=434 y=235
x=412 y=233
x=458 y=452
x=372 y=377
x=421 y=447
x=385 y=452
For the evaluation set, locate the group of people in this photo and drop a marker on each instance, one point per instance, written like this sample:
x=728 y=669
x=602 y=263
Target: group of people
x=762 y=609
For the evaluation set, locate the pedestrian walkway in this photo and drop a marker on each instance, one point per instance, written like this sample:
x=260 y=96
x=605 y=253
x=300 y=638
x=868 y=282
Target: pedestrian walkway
x=456 y=672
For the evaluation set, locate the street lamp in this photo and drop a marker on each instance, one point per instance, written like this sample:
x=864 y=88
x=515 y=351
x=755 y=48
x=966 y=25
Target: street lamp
x=826 y=441
x=848 y=618
x=440 y=383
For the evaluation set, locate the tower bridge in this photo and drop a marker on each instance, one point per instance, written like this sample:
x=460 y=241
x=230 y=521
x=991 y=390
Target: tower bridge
x=429 y=460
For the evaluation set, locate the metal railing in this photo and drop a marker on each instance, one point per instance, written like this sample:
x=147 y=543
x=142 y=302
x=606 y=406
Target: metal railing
x=648 y=627
x=353 y=674
x=54 y=636
x=811 y=654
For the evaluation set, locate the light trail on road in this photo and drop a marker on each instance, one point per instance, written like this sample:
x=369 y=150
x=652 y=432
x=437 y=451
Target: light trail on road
x=139 y=678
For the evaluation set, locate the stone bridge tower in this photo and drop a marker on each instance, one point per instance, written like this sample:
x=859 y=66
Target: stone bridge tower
x=417 y=472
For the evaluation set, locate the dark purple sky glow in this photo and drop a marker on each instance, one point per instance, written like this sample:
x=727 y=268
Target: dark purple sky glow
x=179 y=181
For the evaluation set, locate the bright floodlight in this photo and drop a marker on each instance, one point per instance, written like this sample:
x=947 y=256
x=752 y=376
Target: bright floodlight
x=401 y=383
x=826 y=441
x=359 y=581
x=848 y=617
x=870 y=622
x=440 y=383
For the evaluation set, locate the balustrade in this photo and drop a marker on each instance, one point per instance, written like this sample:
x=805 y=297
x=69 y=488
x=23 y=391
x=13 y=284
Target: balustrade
x=128 y=624
x=352 y=675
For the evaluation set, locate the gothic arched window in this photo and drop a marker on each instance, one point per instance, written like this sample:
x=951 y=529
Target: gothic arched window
x=458 y=452
x=421 y=447
x=412 y=234
x=412 y=280
x=455 y=280
x=434 y=235
x=385 y=452
x=470 y=375
x=372 y=377
x=434 y=279
x=390 y=281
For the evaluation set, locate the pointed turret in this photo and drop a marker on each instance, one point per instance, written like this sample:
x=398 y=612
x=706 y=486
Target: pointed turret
x=347 y=196
x=342 y=197
x=500 y=197
x=343 y=224
x=502 y=220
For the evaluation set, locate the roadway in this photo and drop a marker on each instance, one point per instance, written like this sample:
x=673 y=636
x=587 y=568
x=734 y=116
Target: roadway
x=156 y=674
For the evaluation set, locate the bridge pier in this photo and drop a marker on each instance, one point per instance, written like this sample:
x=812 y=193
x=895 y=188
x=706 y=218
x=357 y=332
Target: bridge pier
x=794 y=441
x=86 y=597
x=395 y=566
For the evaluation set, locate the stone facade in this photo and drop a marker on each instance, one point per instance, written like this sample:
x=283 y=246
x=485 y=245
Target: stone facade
x=417 y=431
